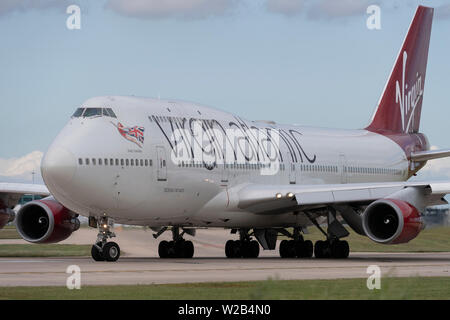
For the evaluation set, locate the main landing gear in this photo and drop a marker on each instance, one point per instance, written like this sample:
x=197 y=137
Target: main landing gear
x=245 y=247
x=332 y=247
x=177 y=248
x=103 y=250
x=296 y=248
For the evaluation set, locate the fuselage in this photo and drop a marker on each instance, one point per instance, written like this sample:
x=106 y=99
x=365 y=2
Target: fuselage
x=146 y=164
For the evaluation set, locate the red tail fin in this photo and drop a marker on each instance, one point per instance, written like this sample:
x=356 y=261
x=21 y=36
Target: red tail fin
x=400 y=104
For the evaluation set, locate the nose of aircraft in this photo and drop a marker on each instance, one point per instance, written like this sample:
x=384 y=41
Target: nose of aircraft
x=58 y=167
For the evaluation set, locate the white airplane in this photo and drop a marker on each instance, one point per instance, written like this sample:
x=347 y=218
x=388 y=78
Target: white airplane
x=177 y=166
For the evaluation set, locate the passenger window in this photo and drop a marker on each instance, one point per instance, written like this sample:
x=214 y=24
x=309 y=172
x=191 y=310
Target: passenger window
x=132 y=162
x=99 y=162
x=87 y=161
x=80 y=161
x=146 y=162
x=93 y=161
x=122 y=162
x=142 y=163
x=151 y=162
x=127 y=162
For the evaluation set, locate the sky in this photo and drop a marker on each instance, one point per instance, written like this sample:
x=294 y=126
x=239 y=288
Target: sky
x=309 y=62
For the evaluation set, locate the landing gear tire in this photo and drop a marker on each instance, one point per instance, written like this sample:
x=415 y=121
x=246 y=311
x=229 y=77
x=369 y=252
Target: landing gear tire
x=242 y=249
x=111 y=251
x=188 y=249
x=250 y=249
x=293 y=248
x=340 y=249
x=229 y=250
x=96 y=252
x=322 y=249
x=163 y=249
x=304 y=249
x=176 y=249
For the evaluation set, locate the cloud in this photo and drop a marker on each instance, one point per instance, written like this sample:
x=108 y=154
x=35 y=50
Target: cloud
x=336 y=9
x=436 y=169
x=442 y=12
x=22 y=168
x=158 y=9
x=285 y=7
x=9 y=6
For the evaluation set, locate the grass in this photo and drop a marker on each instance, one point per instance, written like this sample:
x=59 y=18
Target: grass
x=9 y=232
x=429 y=240
x=342 y=289
x=44 y=250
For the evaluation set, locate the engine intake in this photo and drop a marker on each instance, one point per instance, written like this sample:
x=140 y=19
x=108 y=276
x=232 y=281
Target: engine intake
x=46 y=221
x=391 y=221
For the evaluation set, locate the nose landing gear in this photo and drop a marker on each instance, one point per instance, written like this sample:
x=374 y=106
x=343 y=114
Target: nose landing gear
x=103 y=250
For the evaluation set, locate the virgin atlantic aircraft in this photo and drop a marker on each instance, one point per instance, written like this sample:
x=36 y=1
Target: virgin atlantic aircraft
x=176 y=166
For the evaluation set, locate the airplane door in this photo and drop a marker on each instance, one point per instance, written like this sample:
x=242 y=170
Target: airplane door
x=291 y=168
x=225 y=174
x=161 y=165
x=343 y=168
x=292 y=177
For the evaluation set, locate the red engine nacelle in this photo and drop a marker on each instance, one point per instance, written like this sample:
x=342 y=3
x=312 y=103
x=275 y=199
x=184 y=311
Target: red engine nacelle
x=391 y=221
x=46 y=221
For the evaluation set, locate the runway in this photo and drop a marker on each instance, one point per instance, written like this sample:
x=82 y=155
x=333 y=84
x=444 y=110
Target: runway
x=140 y=265
x=52 y=272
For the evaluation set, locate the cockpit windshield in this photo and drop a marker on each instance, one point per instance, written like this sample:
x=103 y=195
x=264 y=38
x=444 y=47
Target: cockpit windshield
x=94 y=112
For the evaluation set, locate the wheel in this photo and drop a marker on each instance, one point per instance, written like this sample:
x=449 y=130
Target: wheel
x=237 y=249
x=96 y=252
x=229 y=249
x=299 y=248
x=308 y=249
x=171 y=250
x=250 y=249
x=340 y=249
x=283 y=249
x=345 y=249
x=254 y=249
x=319 y=249
x=111 y=251
x=163 y=249
x=188 y=249
x=291 y=249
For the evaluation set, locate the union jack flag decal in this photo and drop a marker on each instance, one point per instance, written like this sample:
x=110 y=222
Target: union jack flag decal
x=134 y=134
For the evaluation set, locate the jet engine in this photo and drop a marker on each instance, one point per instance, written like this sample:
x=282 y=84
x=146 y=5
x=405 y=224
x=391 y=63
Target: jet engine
x=391 y=221
x=46 y=221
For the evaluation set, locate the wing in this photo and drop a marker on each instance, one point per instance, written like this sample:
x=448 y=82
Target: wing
x=10 y=193
x=273 y=199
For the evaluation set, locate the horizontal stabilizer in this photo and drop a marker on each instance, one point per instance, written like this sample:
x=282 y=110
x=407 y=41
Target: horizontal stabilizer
x=429 y=155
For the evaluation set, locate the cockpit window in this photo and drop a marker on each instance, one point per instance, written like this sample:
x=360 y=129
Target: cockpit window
x=94 y=112
x=111 y=113
x=91 y=112
x=78 y=113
